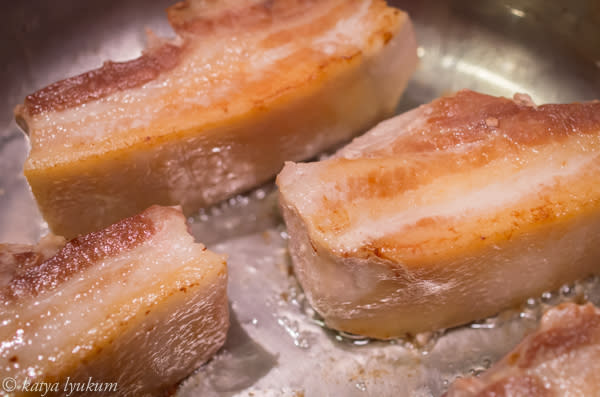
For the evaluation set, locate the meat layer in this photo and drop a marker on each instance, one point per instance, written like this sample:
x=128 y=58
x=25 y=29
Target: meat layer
x=138 y=304
x=245 y=86
x=471 y=198
x=562 y=358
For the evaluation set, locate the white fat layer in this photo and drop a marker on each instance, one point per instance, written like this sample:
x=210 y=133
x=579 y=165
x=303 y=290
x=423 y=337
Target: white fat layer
x=379 y=138
x=261 y=60
x=50 y=327
x=348 y=31
x=209 y=74
x=205 y=77
x=383 y=135
x=494 y=195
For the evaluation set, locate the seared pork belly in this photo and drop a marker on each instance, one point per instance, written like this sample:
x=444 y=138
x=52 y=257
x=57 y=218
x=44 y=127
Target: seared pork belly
x=562 y=358
x=246 y=85
x=138 y=304
x=447 y=214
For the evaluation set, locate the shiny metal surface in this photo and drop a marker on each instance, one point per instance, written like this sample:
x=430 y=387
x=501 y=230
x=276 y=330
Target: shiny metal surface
x=277 y=346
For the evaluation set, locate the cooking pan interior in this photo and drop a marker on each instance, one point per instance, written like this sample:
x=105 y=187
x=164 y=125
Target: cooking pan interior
x=550 y=50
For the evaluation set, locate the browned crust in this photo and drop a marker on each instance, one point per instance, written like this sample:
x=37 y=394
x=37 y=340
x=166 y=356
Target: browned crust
x=188 y=18
x=467 y=118
x=565 y=329
x=580 y=326
x=499 y=127
x=108 y=79
x=241 y=16
x=16 y=257
x=79 y=254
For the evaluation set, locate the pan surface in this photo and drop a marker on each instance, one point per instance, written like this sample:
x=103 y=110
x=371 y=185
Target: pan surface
x=277 y=345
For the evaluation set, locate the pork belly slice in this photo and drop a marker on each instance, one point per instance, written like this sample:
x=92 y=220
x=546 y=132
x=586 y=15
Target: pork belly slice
x=245 y=86
x=447 y=214
x=562 y=358
x=138 y=304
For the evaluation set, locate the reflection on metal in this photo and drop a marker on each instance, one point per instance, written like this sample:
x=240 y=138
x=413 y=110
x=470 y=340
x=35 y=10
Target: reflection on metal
x=516 y=12
x=481 y=73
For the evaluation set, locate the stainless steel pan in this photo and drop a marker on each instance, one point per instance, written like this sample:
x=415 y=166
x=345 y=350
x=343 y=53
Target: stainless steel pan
x=277 y=346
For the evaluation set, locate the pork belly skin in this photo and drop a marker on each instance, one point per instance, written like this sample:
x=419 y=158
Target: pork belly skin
x=245 y=86
x=138 y=304
x=562 y=358
x=447 y=214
